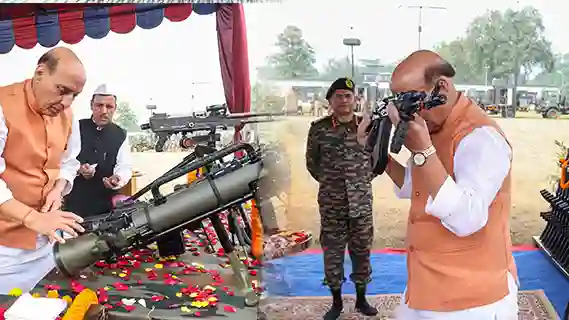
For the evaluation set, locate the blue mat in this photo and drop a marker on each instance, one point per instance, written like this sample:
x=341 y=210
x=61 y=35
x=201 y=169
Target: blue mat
x=302 y=275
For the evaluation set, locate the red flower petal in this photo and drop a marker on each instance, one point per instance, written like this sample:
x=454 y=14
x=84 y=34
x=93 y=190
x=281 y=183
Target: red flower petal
x=157 y=298
x=48 y=287
x=119 y=286
x=129 y=308
x=123 y=262
x=228 y=308
x=103 y=296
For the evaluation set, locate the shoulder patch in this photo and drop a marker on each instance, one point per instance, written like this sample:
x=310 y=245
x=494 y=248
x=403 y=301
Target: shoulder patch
x=320 y=120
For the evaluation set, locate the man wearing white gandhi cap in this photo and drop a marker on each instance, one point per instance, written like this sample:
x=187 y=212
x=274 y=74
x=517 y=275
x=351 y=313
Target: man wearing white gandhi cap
x=106 y=163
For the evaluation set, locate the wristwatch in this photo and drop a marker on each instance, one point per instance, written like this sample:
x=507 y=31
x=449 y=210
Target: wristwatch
x=420 y=158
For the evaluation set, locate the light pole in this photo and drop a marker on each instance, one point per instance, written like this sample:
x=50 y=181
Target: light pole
x=420 y=22
x=352 y=42
x=150 y=106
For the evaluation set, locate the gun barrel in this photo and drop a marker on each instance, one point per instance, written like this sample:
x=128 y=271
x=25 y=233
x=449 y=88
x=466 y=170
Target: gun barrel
x=253 y=115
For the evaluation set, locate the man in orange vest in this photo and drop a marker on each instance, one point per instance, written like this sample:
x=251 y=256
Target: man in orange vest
x=459 y=260
x=39 y=144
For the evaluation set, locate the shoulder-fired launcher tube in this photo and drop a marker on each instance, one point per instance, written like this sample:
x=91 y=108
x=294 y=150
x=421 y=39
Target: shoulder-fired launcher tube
x=200 y=198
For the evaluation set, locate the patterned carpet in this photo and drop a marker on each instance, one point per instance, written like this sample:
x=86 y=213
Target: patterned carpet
x=533 y=306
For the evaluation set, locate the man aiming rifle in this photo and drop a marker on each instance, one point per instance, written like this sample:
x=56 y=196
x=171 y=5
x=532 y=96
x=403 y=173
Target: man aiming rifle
x=459 y=260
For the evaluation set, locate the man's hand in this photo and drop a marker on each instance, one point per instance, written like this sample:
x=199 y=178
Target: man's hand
x=418 y=137
x=49 y=223
x=86 y=171
x=362 y=127
x=112 y=182
x=53 y=200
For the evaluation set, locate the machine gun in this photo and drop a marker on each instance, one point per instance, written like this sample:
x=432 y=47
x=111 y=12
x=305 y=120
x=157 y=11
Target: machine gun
x=136 y=223
x=554 y=239
x=407 y=104
x=215 y=117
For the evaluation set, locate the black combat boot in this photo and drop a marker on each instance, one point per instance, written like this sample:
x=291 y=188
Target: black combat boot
x=362 y=306
x=337 y=305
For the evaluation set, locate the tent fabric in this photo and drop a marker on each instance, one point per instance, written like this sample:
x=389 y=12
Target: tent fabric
x=234 y=60
x=26 y=25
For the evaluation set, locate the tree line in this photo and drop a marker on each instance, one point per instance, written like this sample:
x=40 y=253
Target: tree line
x=296 y=59
x=508 y=45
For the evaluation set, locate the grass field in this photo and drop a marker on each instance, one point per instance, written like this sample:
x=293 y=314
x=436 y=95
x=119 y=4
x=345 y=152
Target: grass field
x=532 y=139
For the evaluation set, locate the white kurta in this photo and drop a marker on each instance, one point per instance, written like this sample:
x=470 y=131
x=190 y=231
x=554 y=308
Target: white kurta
x=20 y=268
x=481 y=164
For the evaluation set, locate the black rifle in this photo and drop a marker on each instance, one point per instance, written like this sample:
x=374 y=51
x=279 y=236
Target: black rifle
x=407 y=104
x=215 y=117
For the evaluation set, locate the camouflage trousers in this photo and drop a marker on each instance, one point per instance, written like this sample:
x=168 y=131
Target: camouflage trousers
x=355 y=233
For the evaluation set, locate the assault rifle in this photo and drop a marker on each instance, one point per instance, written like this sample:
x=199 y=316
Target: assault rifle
x=215 y=117
x=379 y=131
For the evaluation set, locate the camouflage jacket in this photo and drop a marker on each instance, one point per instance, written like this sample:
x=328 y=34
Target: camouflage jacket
x=341 y=166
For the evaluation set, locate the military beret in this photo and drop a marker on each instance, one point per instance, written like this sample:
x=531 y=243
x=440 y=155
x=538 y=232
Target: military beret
x=340 y=84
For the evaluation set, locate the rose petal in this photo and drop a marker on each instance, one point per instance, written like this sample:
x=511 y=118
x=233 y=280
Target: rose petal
x=120 y=286
x=157 y=298
x=129 y=308
x=228 y=308
x=48 y=287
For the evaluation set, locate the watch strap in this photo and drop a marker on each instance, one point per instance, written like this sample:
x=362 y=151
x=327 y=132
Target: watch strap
x=429 y=151
x=426 y=153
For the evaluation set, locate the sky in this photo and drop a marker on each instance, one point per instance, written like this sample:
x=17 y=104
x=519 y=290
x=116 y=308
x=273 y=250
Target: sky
x=168 y=65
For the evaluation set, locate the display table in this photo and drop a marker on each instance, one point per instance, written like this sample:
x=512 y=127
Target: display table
x=195 y=285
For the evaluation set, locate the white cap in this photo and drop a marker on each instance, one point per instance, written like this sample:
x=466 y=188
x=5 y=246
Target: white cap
x=104 y=91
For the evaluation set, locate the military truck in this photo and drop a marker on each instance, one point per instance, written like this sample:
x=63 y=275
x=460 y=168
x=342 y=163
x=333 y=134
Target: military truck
x=550 y=103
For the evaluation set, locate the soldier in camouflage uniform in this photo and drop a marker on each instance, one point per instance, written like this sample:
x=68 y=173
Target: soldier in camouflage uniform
x=341 y=166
